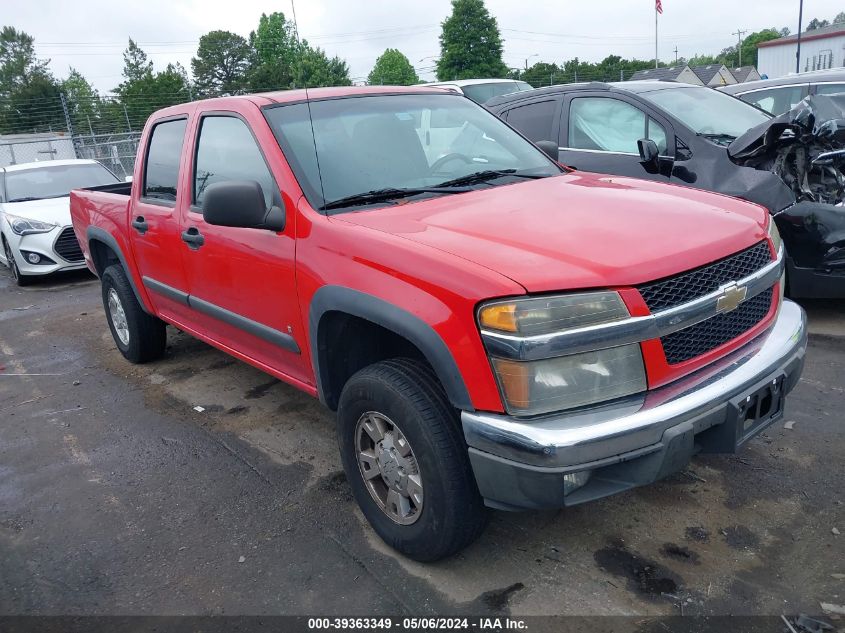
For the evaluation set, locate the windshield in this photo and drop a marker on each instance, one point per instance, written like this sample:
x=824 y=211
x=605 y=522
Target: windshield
x=708 y=112
x=400 y=142
x=54 y=181
x=481 y=93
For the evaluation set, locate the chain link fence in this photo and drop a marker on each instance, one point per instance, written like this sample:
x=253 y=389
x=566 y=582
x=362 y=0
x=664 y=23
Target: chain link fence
x=115 y=151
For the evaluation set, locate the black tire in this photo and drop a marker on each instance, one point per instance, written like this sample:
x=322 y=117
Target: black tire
x=408 y=393
x=146 y=336
x=20 y=278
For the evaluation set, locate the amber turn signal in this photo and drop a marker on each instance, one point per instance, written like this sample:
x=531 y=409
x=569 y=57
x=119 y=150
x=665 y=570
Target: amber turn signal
x=500 y=316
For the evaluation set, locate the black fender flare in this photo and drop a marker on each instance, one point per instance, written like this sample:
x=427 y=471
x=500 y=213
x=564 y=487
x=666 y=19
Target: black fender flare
x=99 y=235
x=395 y=319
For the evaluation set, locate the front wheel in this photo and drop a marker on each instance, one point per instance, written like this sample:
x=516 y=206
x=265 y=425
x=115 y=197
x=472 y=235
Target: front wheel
x=20 y=278
x=139 y=336
x=406 y=460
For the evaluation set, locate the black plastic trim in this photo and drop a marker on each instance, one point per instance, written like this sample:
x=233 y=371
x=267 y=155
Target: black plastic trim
x=166 y=291
x=387 y=315
x=280 y=339
x=99 y=235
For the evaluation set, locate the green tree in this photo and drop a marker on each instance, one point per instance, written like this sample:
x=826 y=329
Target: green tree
x=221 y=63
x=145 y=91
x=279 y=61
x=314 y=69
x=470 y=43
x=815 y=23
x=17 y=60
x=136 y=66
x=840 y=18
x=392 y=68
x=29 y=95
x=83 y=101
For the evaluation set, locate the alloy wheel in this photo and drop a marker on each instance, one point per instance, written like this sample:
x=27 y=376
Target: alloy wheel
x=389 y=467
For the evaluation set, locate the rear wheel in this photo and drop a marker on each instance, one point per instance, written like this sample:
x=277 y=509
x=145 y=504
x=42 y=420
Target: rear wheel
x=20 y=278
x=139 y=336
x=406 y=460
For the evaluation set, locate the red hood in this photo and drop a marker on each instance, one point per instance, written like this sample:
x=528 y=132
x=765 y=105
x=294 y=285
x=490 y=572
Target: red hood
x=578 y=230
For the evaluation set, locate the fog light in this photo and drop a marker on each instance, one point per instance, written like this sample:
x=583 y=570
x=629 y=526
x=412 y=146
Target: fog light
x=573 y=481
x=33 y=258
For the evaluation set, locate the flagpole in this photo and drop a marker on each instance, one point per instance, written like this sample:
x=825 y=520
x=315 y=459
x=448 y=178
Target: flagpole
x=655 y=34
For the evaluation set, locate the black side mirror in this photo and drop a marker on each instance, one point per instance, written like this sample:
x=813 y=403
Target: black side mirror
x=649 y=154
x=549 y=148
x=240 y=203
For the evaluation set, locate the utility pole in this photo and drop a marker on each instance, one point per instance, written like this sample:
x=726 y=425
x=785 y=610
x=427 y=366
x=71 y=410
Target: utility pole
x=798 y=50
x=739 y=35
x=676 y=54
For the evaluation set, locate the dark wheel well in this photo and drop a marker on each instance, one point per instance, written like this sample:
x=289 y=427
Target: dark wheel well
x=348 y=343
x=102 y=255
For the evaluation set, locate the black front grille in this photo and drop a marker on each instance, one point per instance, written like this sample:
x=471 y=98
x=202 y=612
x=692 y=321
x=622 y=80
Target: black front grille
x=660 y=295
x=702 y=337
x=67 y=246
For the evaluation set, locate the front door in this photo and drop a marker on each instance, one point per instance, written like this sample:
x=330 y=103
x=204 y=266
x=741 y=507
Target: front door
x=599 y=133
x=241 y=281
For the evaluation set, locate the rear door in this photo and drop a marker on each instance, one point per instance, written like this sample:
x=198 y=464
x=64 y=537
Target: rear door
x=537 y=120
x=599 y=133
x=154 y=218
x=241 y=281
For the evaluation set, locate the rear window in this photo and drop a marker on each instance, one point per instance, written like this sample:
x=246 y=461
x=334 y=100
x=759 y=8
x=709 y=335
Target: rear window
x=161 y=173
x=534 y=120
x=481 y=93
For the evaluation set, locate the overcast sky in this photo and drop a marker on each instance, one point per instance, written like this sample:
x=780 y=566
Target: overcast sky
x=91 y=34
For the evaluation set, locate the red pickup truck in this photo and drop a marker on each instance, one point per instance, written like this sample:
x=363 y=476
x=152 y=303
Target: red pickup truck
x=492 y=329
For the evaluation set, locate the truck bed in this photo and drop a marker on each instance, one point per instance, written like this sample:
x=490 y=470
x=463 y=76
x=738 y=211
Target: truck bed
x=103 y=209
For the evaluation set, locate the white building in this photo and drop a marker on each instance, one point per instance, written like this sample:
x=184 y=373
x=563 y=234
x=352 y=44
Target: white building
x=820 y=49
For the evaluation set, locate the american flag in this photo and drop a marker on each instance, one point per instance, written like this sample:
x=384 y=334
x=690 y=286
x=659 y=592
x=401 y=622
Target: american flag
x=658 y=6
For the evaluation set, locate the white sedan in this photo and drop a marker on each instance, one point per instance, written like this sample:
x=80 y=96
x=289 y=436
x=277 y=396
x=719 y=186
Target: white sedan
x=35 y=227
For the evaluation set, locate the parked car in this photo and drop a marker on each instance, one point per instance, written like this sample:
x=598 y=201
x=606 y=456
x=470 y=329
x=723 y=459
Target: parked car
x=481 y=90
x=490 y=328
x=702 y=138
x=35 y=229
x=781 y=95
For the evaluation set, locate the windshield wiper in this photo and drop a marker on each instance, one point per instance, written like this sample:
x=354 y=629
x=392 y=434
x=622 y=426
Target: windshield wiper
x=385 y=195
x=729 y=138
x=25 y=199
x=487 y=174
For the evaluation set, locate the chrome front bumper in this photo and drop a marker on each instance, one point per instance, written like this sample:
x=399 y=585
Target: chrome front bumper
x=512 y=457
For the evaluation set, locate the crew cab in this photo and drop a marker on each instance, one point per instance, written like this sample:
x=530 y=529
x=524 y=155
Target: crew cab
x=491 y=328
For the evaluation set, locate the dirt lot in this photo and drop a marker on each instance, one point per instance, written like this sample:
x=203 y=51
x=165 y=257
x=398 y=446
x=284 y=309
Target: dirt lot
x=117 y=496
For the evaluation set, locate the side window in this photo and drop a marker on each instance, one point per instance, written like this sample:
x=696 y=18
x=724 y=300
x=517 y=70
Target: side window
x=657 y=134
x=775 y=100
x=161 y=173
x=609 y=125
x=227 y=151
x=534 y=120
x=830 y=89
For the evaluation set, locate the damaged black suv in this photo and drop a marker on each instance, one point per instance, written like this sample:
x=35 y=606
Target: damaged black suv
x=793 y=164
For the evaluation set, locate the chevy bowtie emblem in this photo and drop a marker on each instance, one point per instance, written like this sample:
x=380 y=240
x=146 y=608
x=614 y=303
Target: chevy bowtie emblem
x=732 y=296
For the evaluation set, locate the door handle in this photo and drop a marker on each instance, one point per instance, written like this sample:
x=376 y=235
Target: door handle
x=140 y=224
x=193 y=238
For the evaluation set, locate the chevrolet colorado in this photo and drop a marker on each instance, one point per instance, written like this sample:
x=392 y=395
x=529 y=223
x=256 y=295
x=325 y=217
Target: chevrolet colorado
x=491 y=328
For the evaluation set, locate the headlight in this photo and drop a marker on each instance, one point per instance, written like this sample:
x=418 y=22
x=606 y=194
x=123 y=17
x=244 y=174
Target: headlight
x=554 y=384
x=563 y=382
x=774 y=235
x=546 y=315
x=25 y=226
